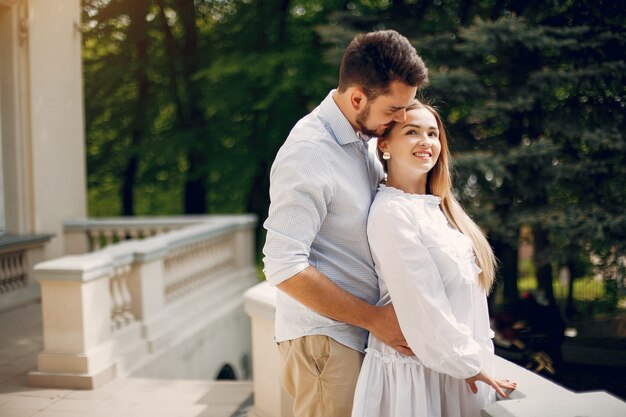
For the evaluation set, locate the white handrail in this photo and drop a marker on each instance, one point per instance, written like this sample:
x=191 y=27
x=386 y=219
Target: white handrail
x=535 y=395
x=104 y=309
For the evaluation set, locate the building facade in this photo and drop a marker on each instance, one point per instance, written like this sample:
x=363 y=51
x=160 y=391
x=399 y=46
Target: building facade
x=42 y=175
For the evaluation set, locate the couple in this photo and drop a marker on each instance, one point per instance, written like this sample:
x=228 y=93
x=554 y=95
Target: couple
x=412 y=271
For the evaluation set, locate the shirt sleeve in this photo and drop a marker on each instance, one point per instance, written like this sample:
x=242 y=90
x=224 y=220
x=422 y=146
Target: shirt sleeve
x=300 y=191
x=418 y=295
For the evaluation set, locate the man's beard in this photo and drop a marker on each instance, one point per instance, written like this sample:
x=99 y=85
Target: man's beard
x=361 y=119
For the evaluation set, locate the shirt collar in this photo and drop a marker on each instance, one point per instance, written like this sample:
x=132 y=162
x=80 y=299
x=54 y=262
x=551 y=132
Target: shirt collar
x=363 y=137
x=339 y=126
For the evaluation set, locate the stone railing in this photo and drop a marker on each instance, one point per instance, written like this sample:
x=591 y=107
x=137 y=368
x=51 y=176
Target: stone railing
x=146 y=306
x=88 y=235
x=535 y=396
x=13 y=270
x=18 y=255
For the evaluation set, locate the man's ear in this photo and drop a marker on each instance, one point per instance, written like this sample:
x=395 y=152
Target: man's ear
x=358 y=99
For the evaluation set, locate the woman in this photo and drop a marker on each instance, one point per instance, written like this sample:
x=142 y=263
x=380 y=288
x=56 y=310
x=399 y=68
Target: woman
x=427 y=253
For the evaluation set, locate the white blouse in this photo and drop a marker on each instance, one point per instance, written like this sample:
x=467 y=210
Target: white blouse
x=427 y=269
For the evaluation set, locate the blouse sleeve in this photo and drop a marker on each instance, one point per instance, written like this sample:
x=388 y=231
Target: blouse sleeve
x=418 y=295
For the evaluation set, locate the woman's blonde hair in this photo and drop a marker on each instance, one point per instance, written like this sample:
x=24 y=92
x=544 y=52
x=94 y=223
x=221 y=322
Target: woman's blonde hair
x=439 y=183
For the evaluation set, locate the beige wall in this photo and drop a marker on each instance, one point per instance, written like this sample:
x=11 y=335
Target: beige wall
x=45 y=137
x=14 y=113
x=59 y=182
x=2 y=216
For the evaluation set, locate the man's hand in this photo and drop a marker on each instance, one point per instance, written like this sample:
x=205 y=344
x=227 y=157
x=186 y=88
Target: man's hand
x=385 y=327
x=316 y=291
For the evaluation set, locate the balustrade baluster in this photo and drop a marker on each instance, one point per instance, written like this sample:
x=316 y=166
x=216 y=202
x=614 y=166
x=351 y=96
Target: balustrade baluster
x=94 y=239
x=108 y=236
x=117 y=304
x=9 y=266
x=126 y=296
x=3 y=270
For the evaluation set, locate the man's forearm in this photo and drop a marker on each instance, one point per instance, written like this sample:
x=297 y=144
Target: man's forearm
x=319 y=293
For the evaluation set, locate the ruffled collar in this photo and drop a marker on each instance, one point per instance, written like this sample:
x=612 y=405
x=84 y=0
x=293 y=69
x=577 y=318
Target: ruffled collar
x=429 y=199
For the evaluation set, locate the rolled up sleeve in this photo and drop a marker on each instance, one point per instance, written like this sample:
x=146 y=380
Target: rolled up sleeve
x=300 y=191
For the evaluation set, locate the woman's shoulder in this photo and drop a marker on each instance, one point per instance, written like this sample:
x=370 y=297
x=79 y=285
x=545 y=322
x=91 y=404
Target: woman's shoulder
x=390 y=198
x=386 y=202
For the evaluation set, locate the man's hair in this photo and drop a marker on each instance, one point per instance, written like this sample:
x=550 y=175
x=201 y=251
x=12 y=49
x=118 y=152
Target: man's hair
x=373 y=60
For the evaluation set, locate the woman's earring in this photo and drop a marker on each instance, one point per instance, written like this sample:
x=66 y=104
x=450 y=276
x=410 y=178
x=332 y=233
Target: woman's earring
x=386 y=156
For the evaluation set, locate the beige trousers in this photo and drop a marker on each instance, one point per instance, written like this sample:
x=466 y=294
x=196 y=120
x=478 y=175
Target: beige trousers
x=320 y=374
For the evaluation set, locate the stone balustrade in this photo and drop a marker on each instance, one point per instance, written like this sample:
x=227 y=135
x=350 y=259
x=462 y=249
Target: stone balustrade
x=169 y=305
x=13 y=270
x=88 y=235
x=535 y=395
x=18 y=255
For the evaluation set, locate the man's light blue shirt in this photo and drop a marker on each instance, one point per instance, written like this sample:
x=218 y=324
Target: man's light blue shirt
x=322 y=184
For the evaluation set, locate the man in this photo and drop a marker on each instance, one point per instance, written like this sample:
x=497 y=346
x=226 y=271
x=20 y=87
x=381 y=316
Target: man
x=322 y=184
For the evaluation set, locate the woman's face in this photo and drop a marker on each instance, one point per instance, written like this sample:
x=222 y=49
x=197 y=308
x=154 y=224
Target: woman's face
x=413 y=145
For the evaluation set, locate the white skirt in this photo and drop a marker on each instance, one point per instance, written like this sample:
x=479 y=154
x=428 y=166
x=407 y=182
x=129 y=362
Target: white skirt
x=395 y=385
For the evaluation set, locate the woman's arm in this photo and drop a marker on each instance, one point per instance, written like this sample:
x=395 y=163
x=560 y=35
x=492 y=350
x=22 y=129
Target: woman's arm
x=418 y=295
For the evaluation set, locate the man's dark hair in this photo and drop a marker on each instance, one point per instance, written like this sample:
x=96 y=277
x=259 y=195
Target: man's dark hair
x=373 y=60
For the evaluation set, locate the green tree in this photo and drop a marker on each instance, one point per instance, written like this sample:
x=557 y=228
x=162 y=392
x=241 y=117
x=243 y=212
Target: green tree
x=533 y=95
x=552 y=115
x=188 y=102
x=117 y=88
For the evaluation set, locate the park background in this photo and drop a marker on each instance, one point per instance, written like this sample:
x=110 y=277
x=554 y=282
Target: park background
x=187 y=103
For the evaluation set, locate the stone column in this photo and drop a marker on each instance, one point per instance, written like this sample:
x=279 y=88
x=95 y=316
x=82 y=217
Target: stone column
x=245 y=246
x=270 y=399
x=76 y=308
x=76 y=242
x=147 y=288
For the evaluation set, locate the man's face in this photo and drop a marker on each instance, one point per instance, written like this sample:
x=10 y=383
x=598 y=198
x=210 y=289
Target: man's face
x=385 y=109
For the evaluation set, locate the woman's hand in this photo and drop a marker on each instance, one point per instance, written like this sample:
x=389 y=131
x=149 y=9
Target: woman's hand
x=498 y=385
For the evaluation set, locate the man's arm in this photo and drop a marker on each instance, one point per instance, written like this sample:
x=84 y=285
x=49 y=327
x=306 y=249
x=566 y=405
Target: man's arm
x=316 y=291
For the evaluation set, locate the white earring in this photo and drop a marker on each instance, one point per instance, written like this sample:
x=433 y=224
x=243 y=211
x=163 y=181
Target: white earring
x=386 y=156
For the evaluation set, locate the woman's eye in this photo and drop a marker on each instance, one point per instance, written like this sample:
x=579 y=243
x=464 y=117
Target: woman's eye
x=411 y=132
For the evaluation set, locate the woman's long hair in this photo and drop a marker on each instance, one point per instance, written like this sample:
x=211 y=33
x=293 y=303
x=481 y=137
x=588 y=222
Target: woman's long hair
x=439 y=183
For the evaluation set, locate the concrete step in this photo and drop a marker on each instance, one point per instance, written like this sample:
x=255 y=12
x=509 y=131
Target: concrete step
x=21 y=341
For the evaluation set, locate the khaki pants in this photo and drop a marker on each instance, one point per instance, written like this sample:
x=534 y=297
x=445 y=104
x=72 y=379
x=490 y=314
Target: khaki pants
x=320 y=374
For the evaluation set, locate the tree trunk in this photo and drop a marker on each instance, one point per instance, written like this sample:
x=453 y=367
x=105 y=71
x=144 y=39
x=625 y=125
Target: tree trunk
x=172 y=52
x=128 y=186
x=508 y=271
x=138 y=37
x=196 y=186
x=541 y=259
x=570 y=310
x=258 y=198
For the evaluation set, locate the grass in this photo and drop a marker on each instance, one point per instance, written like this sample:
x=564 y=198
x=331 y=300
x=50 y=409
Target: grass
x=592 y=297
x=585 y=289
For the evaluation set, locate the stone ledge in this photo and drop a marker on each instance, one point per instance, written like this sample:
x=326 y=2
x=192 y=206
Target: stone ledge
x=11 y=242
x=589 y=404
x=70 y=381
x=79 y=268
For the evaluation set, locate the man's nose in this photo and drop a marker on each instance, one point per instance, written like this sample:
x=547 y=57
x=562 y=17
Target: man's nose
x=400 y=116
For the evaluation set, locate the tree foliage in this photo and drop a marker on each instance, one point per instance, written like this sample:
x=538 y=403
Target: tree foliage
x=188 y=102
